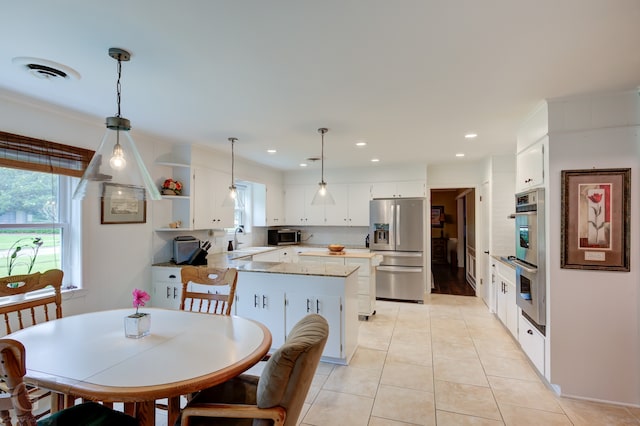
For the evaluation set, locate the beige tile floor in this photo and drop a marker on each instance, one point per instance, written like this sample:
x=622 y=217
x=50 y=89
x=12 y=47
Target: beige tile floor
x=447 y=362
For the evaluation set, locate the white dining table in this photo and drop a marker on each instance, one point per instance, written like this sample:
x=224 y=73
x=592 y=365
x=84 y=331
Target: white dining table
x=88 y=356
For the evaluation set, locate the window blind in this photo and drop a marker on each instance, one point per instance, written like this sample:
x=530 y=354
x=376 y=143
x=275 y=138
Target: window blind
x=22 y=152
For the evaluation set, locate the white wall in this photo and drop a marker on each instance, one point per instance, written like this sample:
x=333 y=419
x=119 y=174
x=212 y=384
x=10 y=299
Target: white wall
x=594 y=315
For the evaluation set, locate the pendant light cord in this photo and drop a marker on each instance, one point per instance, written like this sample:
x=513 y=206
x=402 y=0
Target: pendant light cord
x=322 y=131
x=118 y=88
x=233 y=161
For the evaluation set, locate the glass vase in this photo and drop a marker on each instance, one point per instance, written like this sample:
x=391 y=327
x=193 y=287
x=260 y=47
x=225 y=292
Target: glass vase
x=137 y=325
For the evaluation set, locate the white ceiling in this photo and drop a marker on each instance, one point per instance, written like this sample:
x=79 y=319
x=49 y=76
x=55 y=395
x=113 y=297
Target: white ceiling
x=409 y=77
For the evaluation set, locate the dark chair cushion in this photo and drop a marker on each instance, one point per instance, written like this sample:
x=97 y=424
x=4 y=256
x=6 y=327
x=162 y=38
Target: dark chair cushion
x=88 y=414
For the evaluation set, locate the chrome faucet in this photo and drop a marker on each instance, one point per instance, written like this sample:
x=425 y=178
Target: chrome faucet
x=236 y=243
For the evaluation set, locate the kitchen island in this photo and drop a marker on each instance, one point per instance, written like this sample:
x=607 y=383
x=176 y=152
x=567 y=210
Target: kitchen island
x=279 y=294
x=366 y=273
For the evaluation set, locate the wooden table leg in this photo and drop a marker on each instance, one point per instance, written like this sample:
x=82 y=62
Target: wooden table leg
x=146 y=413
x=173 y=409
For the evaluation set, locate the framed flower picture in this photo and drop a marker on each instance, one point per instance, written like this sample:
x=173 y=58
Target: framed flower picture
x=595 y=219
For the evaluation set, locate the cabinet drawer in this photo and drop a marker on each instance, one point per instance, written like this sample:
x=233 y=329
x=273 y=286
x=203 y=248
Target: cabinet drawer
x=166 y=274
x=532 y=343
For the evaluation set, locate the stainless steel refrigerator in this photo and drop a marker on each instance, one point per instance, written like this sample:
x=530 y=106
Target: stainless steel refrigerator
x=397 y=233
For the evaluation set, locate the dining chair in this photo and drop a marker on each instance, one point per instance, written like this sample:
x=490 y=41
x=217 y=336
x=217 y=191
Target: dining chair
x=274 y=398
x=27 y=310
x=18 y=402
x=213 y=292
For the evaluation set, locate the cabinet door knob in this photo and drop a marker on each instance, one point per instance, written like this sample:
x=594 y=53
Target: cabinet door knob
x=530 y=331
x=317 y=306
x=308 y=305
x=255 y=300
x=168 y=292
x=486 y=252
x=264 y=301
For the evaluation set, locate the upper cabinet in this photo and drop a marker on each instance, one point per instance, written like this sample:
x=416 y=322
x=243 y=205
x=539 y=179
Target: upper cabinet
x=210 y=187
x=530 y=166
x=400 y=189
x=351 y=207
x=274 y=205
x=298 y=208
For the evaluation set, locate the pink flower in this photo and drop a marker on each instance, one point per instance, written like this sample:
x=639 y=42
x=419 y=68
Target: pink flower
x=139 y=297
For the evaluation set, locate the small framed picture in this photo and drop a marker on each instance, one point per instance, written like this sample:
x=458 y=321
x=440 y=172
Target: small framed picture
x=595 y=219
x=437 y=216
x=123 y=204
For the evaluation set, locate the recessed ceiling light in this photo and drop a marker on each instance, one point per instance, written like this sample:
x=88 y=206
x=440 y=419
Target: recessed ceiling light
x=471 y=135
x=375 y=160
x=303 y=164
x=271 y=151
x=361 y=143
x=460 y=154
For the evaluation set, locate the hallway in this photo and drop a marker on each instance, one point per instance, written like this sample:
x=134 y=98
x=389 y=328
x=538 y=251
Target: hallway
x=447 y=280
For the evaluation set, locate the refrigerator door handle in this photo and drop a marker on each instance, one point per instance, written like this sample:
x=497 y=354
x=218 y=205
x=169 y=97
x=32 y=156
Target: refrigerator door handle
x=397 y=219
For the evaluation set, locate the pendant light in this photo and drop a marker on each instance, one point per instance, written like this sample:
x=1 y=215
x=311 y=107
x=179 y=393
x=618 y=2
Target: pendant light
x=117 y=159
x=232 y=200
x=322 y=197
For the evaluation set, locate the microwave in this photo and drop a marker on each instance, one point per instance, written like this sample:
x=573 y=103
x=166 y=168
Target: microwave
x=283 y=237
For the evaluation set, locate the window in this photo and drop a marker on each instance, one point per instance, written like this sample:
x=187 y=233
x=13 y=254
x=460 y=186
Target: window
x=37 y=179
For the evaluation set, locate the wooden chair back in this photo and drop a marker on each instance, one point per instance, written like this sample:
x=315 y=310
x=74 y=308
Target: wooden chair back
x=215 y=290
x=12 y=368
x=31 y=310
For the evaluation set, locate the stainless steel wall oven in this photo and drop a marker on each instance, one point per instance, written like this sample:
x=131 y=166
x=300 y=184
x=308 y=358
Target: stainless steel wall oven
x=530 y=256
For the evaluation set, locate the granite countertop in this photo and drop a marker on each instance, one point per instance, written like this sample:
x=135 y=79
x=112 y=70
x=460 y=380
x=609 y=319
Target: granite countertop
x=319 y=269
x=345 y=253
x=504 y=260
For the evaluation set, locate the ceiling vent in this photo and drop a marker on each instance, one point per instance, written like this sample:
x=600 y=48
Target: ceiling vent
x=43 y=71
x=46 y=70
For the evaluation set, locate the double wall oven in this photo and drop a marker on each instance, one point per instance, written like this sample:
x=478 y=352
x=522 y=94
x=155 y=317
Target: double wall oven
x=530 y=256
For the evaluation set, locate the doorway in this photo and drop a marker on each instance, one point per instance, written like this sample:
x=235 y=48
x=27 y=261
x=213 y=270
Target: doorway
x=453 y=241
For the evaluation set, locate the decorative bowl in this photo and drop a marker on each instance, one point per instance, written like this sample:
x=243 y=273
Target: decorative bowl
x=336 y=247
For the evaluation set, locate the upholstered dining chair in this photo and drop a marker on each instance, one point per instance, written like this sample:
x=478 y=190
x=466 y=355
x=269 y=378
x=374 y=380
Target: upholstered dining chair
x=29 y=310
x=213 y=292
x=274 y=398
x=18 y=402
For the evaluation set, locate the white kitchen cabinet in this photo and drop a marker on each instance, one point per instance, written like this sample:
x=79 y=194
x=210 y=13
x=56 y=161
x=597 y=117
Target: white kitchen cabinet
x=210 y=188
x=366 y=277
x=351 y=207
x=399 y=189
x=301 y=303
x=261 y=296
x=166 y=287
x=507 y=308
x=265 y=304
x=530 y=167
x=275 y=205
x=532 y=343
x=298 y=208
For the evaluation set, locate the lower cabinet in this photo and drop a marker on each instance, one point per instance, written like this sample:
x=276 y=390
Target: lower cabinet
x=263 y=304
x=300 y=304
x=366 y=277
x=506 y=306
x=166 y=287
x=279 y=301
x=532 y=343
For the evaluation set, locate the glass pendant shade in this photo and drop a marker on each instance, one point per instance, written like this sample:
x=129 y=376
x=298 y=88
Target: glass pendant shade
x=232 y=199
x=322 y=196
x=116 y=161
